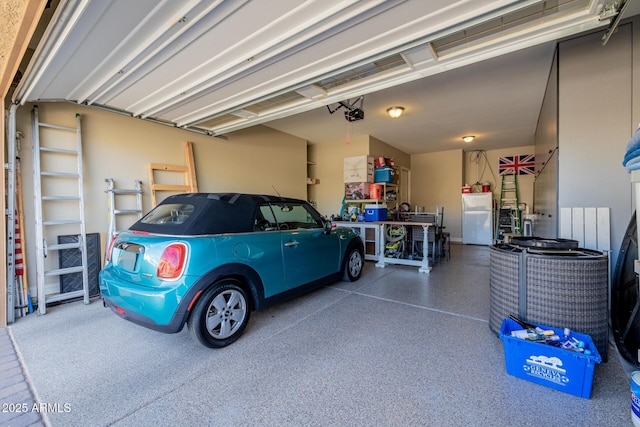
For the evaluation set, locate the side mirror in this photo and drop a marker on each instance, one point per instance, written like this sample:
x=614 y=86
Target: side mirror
x=328 y=226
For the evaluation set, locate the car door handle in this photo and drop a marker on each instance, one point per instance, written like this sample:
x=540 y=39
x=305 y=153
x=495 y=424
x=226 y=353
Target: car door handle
x=343 y=237
x=289 y=244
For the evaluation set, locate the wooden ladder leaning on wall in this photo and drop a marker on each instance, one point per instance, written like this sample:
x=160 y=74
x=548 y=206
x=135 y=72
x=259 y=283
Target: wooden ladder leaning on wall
x=189 y=171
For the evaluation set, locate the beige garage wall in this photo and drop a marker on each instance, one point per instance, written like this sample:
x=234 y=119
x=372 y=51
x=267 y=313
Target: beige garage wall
x=486 y=170
x=378 y=148
x=436 y=179
x=256 y=160
x=327 y=164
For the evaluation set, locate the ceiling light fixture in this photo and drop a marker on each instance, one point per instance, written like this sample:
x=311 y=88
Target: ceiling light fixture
x=468 y=138
x=395 y=112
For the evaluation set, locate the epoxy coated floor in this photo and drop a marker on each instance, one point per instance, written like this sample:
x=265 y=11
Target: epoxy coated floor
x=397 y=347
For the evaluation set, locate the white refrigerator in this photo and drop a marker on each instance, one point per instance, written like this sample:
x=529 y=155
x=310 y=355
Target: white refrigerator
x=477 y=218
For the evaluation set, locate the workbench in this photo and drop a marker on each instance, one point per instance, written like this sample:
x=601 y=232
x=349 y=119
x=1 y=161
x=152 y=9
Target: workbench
x=379 y=231
x=423 y=264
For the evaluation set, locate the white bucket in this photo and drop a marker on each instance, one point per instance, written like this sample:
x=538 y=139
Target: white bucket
x=635 y=398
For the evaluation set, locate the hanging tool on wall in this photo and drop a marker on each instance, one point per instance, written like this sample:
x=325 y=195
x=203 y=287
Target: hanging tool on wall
x=20 y=300
x=21 y=270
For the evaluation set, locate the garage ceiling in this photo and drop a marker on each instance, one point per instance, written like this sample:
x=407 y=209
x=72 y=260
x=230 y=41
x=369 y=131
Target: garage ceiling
x=219 y=66
x=497 y=100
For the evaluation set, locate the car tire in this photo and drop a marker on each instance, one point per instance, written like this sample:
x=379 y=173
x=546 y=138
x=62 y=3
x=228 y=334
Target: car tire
x=220 y=315
x=353 y=264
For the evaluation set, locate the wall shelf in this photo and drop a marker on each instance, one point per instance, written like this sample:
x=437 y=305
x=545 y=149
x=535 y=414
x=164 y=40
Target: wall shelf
x=384 y=199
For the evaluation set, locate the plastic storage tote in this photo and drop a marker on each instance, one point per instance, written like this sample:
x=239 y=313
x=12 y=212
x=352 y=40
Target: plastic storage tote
x=555 y=367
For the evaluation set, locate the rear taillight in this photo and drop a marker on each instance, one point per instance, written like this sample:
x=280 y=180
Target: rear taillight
x=110 y=248
x=172 y=261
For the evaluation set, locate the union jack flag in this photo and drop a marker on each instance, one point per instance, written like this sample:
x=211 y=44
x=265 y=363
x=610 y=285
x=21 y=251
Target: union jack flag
x=520 y=165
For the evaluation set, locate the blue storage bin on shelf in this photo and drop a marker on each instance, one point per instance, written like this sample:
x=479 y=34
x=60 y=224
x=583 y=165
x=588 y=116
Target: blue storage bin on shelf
x=383 y=174
x=555 y=367
x=374 y=213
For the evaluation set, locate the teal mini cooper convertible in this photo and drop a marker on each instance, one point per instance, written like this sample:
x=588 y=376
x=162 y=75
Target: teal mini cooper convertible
x=208 y=260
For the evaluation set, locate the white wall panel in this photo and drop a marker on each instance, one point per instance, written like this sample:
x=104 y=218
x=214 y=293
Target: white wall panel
x=589 y=226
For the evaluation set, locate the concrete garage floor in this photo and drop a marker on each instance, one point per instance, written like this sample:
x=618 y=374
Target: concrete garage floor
x=396 y=348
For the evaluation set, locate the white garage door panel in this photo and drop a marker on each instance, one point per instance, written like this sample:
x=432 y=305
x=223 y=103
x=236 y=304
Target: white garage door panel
x=222 y=40
x=187 y=61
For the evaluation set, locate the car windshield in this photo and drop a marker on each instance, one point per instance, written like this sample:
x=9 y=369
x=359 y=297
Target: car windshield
x=169 y=214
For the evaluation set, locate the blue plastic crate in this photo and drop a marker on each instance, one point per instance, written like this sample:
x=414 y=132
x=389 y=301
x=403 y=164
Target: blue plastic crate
x=555 y=367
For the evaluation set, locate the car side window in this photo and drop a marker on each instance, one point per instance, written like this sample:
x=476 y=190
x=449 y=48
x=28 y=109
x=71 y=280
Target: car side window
x=295 y=215
x=265 y=221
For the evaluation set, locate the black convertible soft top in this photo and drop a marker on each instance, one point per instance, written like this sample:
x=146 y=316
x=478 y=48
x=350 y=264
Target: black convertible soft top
x=214 y=213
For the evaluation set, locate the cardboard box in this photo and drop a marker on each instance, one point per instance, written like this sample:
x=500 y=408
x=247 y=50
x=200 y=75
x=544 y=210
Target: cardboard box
x=554 y=367
x=358 y=169
x=357 y=191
